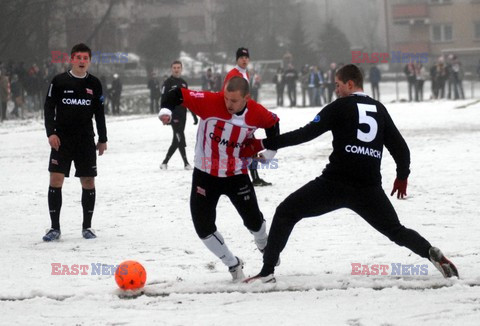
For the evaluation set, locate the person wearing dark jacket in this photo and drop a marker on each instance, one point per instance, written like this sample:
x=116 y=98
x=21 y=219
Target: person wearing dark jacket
x=291 y=76
x=179 y=117
x=154 y=87
x=330 y=81
x=361 y=127
x=4 y=93
x=279 y=81
x=115 y=94
x=73 y=98
x=375 y=76
x=409 y=71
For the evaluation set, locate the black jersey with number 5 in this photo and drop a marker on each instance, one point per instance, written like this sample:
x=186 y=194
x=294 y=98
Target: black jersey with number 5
x=361 y=126
x=70 y=105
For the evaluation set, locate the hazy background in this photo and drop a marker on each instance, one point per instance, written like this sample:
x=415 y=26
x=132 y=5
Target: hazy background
x=154 y=32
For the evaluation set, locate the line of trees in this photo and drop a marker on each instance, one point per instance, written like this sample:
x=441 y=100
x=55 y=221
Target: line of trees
x=268 y=28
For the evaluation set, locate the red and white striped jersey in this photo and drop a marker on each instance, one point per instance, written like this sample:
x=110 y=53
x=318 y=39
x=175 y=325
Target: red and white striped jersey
x=221 y=134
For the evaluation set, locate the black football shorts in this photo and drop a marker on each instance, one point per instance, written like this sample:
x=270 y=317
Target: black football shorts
x=81 y=150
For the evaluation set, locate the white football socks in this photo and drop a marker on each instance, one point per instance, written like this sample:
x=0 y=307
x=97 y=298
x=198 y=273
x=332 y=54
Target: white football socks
x=261 y=237
x=216 y=244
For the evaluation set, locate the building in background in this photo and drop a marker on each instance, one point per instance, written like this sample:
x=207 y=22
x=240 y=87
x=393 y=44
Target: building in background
x=436 y=27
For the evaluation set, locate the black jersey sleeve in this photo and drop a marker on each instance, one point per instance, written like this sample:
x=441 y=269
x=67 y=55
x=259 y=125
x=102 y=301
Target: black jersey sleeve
x=273 y=131
x=172 y=98
x=319 y=125
x=99 y=111
x=49 y=108
x=398 y=148
x=165 y=86
x=299 y=136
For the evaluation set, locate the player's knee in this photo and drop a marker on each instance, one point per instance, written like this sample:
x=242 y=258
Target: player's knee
x=56 y=180
x=285 y=211
x=204 y=231
x=87 y=182
x=255 y=224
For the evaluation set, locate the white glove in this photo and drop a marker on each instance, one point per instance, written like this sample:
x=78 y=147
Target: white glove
x=267 y=154
x=164 y=112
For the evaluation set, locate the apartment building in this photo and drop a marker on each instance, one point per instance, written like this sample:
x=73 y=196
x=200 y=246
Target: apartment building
x=436 y=27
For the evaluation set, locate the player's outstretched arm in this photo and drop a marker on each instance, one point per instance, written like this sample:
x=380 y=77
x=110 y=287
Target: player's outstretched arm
x=172 y=98
x=295 y=137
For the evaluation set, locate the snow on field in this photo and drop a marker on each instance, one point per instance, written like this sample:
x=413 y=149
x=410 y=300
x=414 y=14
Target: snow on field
x=142 y=213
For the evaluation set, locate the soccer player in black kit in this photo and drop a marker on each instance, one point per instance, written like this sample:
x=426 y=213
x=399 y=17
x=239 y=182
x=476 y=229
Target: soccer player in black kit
x=179 y=117
x=361 y=126
x=73 y=98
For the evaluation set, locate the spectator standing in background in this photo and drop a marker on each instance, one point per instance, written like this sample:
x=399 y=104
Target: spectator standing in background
x=291 y=76
x=279 y=81
x=375 y=77
x=409 y=71
x=116 y=94
x=154 y=87
x=330 y=81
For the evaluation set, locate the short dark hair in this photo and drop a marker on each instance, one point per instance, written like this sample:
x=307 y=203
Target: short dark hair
x=350 y=72
x=237 y=83
x=176 y=62
x=81 y=47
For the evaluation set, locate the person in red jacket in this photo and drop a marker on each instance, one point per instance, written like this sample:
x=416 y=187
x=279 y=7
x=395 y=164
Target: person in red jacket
x=243 y=59
x=227 y=120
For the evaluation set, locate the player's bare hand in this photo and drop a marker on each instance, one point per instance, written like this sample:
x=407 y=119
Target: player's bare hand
x=101 y=147
x=54 y=142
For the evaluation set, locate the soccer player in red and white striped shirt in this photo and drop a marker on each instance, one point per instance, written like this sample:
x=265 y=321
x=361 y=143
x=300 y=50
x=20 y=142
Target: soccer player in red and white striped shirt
x=227 y=120
x=243 y=59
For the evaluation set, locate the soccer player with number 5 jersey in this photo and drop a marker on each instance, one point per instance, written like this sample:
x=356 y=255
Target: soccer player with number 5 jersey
x=361 y=127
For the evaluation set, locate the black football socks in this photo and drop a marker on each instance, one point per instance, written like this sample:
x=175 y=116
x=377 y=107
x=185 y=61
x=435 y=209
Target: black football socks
x=88 y=204
x=54 y=206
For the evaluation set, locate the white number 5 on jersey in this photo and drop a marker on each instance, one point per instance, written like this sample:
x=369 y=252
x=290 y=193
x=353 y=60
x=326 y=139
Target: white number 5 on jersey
x=363 y=118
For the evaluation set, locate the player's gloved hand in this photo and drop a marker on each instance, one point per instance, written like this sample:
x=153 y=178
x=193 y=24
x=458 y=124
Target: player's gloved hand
x=251 y=147
x=165 y=115
x=399 y=186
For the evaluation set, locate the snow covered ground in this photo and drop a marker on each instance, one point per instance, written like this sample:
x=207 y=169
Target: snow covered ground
x=142 y=214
